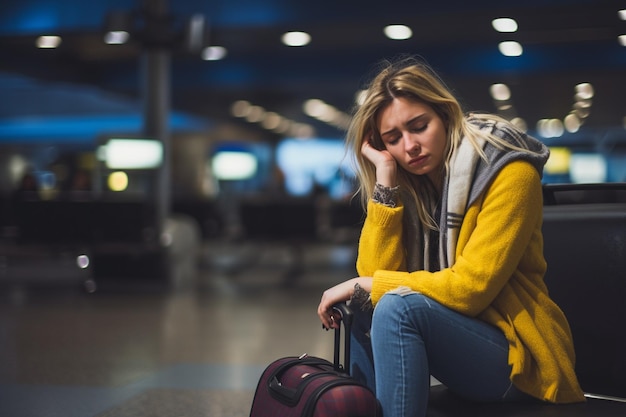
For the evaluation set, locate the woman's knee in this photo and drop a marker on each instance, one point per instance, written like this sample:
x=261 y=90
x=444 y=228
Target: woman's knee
x=396 y=307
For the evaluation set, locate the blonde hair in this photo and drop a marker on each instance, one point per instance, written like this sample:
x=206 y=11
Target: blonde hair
x=412 y=79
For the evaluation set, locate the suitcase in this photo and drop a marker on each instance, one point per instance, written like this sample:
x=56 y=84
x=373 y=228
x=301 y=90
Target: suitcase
x=314 y=387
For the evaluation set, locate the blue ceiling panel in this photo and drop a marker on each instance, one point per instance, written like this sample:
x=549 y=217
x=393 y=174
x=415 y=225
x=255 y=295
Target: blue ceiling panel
x=565 y=43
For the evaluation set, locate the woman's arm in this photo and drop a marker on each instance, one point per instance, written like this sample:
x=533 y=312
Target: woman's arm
x=489 y=250
x=338 y=293
x=380 y=244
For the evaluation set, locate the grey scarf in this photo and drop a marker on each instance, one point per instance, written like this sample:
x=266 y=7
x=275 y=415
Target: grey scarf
x=467 y=179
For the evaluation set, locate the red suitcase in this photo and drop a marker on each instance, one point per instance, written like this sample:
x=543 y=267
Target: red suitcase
x=314 y=387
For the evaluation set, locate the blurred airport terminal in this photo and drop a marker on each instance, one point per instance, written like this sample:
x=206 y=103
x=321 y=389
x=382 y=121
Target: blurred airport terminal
x=174 y=190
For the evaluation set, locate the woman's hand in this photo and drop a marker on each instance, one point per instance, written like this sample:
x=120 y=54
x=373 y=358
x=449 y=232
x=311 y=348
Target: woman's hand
x=386 y=166
x=338 y=293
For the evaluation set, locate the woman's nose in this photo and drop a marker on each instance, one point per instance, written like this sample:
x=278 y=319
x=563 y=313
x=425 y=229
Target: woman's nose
x=411 y=146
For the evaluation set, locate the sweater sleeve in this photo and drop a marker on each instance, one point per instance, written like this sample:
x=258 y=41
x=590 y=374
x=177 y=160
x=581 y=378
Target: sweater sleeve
x=380 y=244
x=495 y=234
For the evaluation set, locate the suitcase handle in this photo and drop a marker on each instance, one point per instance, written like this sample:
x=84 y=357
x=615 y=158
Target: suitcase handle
x=291 y=396
x=346 y=317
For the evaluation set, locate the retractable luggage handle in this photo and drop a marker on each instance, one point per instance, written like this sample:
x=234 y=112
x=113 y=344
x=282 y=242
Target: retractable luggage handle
x=346 y=318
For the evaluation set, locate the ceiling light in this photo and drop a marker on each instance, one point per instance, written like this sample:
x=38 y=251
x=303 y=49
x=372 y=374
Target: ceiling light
x=255 y=114
x=48 y=41
x=582 y=112
x=504 y=24
x=520 y=123
x=550 y=128
x=116 y=37
x=398 y=32
x=302 y=131
x=622 y=40
x=572 y=123
x=510 y=48
x=283 y=126
x=315 y=108
x=622 y=14
x=271 y=120
x=584 y=91
x=296 y=38
x=360 y=96
x=325 y=112
x=214 y=53
x=582 y=103
x=240 y=108
x=500 y=92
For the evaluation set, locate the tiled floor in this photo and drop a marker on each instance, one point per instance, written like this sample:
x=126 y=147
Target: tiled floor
x=197 y=352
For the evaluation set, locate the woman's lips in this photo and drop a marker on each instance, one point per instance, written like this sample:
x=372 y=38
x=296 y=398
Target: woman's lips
x=417 y=161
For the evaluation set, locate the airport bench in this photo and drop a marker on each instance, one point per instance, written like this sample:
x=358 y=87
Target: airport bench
x=119 y=237
x=72 y=223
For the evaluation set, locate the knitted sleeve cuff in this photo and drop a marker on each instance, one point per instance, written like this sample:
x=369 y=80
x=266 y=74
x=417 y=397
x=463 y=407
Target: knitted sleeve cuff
x=387 y=196
x=361 y=298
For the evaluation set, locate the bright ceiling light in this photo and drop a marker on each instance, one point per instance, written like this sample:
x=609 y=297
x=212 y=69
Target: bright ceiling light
x=296 y=38
x=267 y=119
x=510 y=48
x=48 y=41
x=622 y=14
x=500 y=92
x=504 y=25
x=325 y=112
x=116 y=37
x=315 y=108
x=398 y=32
x=214 y=53
x=360 y=96
x=622 y=40
x=550 y=128
x=584 y=91
x=572 y=123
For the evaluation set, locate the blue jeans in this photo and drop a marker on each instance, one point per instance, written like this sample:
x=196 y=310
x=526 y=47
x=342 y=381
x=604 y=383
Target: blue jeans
x=413 y=337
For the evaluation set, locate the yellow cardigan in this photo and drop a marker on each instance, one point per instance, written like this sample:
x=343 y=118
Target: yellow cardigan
x=497 y=277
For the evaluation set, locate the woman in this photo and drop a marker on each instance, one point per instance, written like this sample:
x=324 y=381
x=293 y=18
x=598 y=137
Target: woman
x=450 y=254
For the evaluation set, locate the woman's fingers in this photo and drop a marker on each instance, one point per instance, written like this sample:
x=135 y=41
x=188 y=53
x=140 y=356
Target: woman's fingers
x=330 y=297
x=325 y=312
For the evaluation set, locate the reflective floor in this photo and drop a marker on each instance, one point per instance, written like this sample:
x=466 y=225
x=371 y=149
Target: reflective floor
x=198 y=351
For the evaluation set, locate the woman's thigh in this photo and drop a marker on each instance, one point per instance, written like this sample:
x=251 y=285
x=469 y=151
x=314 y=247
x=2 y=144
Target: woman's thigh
x=466 y=354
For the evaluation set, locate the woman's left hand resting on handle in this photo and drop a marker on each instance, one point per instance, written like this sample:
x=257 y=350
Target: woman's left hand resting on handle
x=338 y=293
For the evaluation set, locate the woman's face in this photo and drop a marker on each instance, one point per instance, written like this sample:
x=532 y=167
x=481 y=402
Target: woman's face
x=415 y=136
